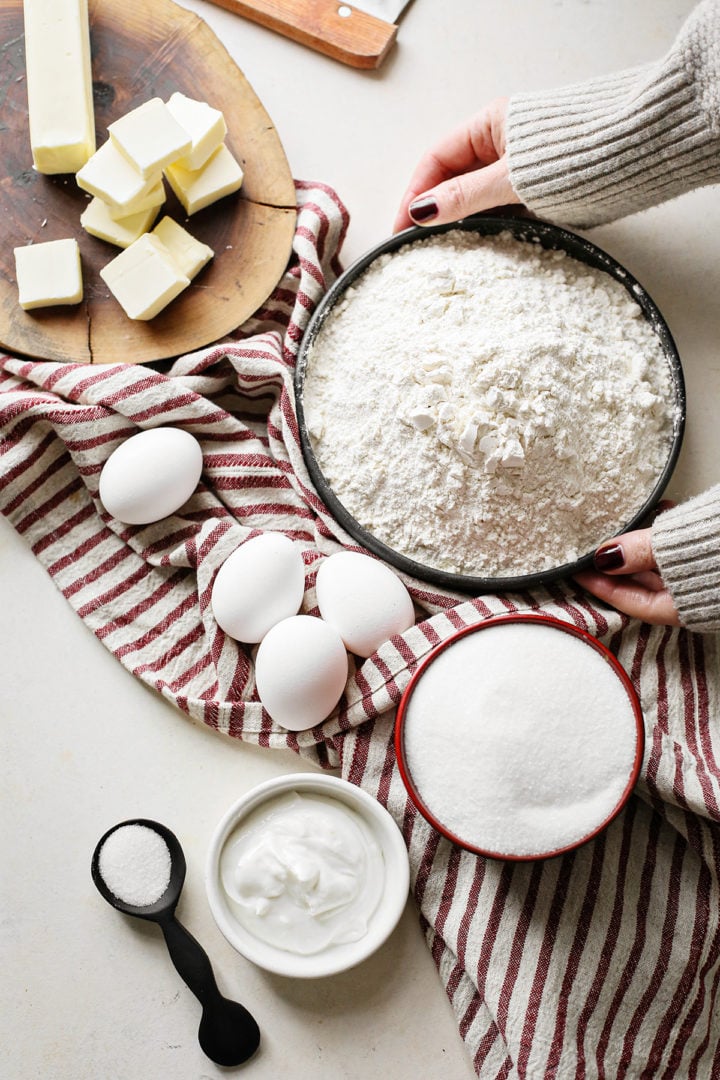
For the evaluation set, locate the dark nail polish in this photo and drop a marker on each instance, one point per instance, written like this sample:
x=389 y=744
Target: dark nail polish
x=424 y=209
x=609 y=558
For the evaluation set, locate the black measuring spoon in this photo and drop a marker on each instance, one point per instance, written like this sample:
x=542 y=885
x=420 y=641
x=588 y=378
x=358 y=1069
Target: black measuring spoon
x=228 y=1034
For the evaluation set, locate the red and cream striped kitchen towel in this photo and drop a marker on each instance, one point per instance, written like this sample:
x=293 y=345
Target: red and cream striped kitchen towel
x=602 y=963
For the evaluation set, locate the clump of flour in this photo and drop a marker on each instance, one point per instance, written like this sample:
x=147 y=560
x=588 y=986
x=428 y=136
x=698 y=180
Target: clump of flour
x=485 y=406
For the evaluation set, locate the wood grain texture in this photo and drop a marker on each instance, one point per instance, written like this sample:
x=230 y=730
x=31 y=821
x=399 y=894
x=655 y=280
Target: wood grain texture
x=143 y=49
x=357 y=39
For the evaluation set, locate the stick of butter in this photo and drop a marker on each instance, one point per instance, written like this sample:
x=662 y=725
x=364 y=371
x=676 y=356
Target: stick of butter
x=97 y=220
x=189 y=253
x=197 y=188
x=144 y=278
x=49 y=274
x=205 y=125
x=59 y=84
x=110 y=176
x=150 y=137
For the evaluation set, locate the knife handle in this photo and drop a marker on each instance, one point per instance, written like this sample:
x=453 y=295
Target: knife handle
x=357 y=39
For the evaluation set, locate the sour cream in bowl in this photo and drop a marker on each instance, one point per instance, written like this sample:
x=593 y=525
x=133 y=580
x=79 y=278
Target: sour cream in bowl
x=307 y=875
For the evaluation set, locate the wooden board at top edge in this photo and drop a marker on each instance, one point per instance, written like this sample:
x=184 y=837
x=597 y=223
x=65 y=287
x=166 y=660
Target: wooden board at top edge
x=142 y=50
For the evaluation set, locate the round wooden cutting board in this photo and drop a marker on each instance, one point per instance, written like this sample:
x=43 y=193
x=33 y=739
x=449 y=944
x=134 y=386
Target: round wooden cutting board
x=143 y=49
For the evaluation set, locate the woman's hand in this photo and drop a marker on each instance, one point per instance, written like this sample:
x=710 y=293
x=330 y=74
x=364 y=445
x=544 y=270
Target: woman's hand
x=626 y=577
x=463 y=174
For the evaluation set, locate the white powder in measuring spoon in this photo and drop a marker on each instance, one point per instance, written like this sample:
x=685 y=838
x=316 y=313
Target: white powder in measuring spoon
x=134 y=862
x=485 y=406
x=520 y=739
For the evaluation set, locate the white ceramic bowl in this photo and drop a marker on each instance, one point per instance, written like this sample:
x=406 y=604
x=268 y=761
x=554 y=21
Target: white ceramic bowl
x=337 y=957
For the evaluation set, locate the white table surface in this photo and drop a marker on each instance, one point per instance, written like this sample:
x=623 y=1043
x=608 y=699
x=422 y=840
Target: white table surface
x=87 y=993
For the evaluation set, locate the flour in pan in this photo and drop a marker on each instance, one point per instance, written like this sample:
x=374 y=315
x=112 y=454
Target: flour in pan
x=488 y=407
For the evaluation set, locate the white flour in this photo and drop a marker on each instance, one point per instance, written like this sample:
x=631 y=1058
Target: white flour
x=488 y=407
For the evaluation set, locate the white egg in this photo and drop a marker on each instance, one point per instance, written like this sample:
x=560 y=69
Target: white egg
x=301 y=668
x=151 y=475
x=364 y=600
x=262 y=582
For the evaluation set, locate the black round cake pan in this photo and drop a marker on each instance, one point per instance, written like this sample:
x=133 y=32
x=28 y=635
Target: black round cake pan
x=550 y=237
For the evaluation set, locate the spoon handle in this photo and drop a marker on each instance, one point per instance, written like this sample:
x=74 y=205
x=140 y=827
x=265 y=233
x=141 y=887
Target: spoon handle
x=228 y=1033
x=190 y=959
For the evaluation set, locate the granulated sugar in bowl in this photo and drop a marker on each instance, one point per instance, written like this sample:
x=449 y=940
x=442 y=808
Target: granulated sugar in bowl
x=520 y=738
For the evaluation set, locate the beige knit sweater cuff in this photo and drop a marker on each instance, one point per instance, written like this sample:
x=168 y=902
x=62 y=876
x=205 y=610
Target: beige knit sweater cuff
x=686 y=542
x=587 y=154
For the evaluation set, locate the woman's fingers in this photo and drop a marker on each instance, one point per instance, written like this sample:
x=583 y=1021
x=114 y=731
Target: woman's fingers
x=649 y=579
x=626 y=577
x=463 y=195
x=626 y=554
x=632 y=596
x=466 y=172
x=457 y=197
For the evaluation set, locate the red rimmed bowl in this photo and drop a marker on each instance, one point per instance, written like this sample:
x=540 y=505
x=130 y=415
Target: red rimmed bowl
x=520 y=738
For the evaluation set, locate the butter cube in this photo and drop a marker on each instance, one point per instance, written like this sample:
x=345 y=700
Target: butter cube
x=153 y=198
x=59 y=84
x=197 y=188
x=49 y=274
x=189 y=253
x=205 y=126
x=97 y=220
x=110 y=176
x=144 y=278
x=150 y=137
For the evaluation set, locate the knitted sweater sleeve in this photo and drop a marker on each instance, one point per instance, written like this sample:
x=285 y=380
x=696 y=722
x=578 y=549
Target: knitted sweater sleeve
x=686 y=545
x=589 y=153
